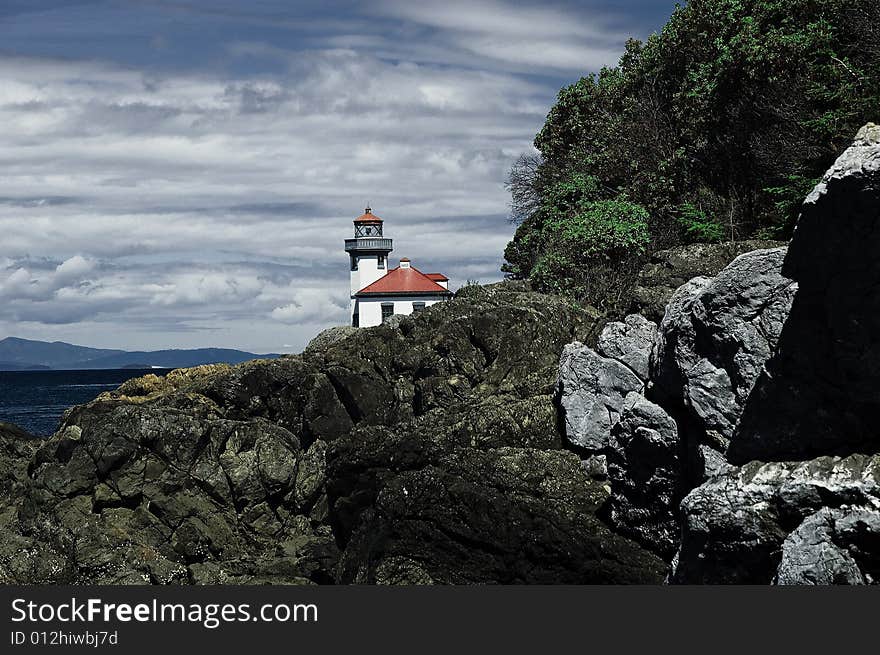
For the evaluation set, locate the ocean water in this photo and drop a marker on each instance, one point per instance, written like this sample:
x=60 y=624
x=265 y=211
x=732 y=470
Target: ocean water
x=35 y=400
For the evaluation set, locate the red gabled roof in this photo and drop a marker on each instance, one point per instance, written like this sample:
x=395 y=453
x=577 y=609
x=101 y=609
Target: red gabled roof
x=403 y=280
x=437 y=277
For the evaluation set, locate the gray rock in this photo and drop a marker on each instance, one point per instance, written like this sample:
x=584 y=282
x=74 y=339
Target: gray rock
x=711 y=462
x=429 y=452
x=824 y=548
x=735 y=525
x=674 y=349
x=395 y=321
x=645 y=471
x=714 y=340
x=592 y=390
x=330 y=336
x=670 y=269
x=629 y=342
x=821 y=392
x=596 y=467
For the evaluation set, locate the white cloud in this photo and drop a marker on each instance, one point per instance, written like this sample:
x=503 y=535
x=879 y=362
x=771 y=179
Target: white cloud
x=148 y=209
x=501 y=18
x=72 y=270
x=313 y=306
x=128 y=199
x=522 y=37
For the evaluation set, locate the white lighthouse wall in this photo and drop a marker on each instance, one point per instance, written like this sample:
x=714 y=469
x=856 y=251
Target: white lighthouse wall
x=368 y=271
x=370 y=310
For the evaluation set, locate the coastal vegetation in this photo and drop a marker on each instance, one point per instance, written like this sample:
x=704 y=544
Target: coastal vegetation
x=713 y=129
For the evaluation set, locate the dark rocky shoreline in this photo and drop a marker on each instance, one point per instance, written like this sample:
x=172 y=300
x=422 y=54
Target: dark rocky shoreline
x=503 y=437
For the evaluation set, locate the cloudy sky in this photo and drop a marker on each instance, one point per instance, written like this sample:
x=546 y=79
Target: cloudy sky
x=183 y=173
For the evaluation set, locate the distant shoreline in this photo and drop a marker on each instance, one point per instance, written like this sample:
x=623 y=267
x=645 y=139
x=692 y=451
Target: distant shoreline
x=28 y=355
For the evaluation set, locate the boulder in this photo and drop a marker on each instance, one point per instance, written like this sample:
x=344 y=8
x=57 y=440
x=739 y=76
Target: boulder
x=508 y=515
x=674 y=350
x=592 y=390
x=820 y=393
x=330 y=336
x=779 y=520
x=669 y=269
x=629 y=342
x=646 y=472
x=833 y=546
x=714 y=340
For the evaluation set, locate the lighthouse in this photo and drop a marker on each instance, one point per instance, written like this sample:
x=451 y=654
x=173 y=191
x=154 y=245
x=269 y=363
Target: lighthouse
x=377 y=293
x=368 y=251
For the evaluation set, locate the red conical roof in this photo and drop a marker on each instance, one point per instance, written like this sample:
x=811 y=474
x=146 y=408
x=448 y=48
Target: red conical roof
x=368 y=217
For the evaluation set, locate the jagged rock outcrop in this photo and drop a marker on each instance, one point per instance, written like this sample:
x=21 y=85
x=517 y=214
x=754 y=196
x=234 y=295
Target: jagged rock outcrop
x=698 y=367
x=812 y=520
x=629 y=342
x=714 y=340
x=623 y=436
x=647 y=476
x=393 y=454
x=592 y=386
x=833 y=546
x=821 y=393
x=766 y=522
x=774 y=357
x=592 y=390
x=502 y=515
x=668 y=270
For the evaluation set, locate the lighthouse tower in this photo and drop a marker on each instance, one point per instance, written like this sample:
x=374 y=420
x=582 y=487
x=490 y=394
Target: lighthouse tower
x=368 y=252
x=378 y=293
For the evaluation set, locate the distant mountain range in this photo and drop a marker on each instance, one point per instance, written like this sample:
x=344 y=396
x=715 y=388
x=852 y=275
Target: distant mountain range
x=26 y=355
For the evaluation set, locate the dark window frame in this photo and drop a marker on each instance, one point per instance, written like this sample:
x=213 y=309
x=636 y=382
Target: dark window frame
x=372 y=231
x=387 y=311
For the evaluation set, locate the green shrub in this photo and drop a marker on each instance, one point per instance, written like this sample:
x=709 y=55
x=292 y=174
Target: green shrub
x=698 y=226
x=714 y=128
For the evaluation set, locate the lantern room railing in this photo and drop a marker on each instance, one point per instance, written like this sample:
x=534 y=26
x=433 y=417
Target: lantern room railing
x=368 y=243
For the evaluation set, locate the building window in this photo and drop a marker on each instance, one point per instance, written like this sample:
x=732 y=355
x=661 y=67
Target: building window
x=354 y=263
x=381 y=263
x=418 y=307
x=368 y=231
x=387 y=310
x=355 y=320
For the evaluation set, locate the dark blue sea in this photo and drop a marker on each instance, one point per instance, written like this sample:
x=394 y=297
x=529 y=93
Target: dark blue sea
x=35 y=400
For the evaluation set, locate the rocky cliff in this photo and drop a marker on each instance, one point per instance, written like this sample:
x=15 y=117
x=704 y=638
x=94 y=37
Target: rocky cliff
x=423 y=451
x=812 y=514
x=503 y=437
x=746 y=453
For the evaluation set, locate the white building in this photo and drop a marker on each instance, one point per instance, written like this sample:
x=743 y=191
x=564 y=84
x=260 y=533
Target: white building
x=378 y=293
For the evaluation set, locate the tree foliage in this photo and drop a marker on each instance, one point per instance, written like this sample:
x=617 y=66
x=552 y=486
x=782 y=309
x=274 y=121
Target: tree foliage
x=714 y=128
